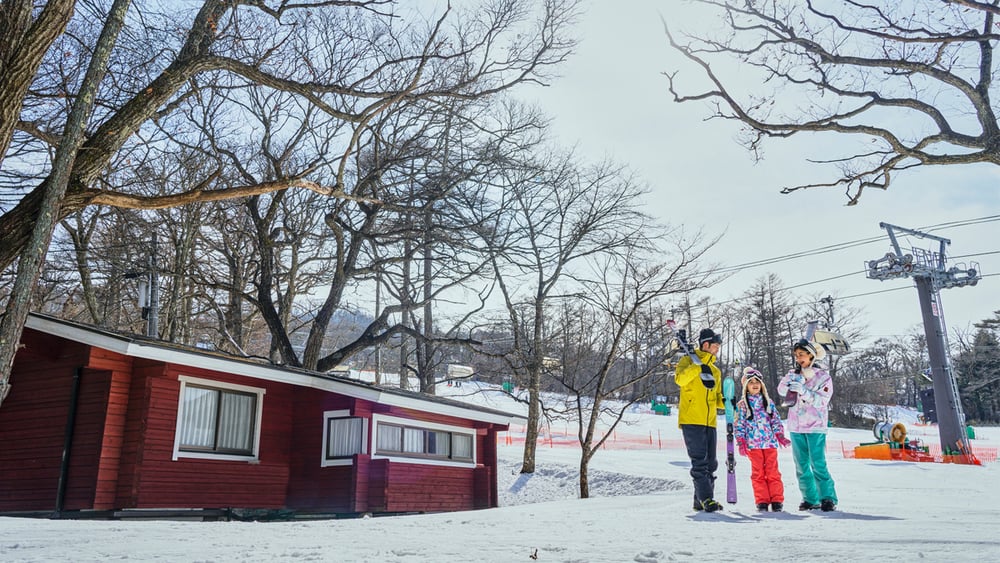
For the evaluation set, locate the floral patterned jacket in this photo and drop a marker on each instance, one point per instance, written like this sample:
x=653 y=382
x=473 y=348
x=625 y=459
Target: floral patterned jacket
x=756 y=426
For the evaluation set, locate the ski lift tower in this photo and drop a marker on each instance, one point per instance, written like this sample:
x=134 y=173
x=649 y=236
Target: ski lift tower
x=930 y=274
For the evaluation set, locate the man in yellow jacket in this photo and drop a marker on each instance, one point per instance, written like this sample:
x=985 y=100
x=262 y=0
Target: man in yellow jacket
x=701 y=397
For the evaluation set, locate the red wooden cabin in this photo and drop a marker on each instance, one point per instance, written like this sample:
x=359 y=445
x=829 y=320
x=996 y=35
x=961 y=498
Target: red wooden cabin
x=103 y=424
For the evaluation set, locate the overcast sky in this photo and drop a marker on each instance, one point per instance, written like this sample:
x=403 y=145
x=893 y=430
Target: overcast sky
x=612 y=100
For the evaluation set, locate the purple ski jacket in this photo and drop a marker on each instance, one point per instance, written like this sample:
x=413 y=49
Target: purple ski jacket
x=809 y=415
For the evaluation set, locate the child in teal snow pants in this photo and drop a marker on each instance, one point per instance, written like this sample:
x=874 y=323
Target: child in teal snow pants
x=807 y=422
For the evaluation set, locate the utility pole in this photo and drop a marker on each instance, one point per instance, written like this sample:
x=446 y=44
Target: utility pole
x=149 y=291
x=153 y=319
x=927 y=268
x=828 y=300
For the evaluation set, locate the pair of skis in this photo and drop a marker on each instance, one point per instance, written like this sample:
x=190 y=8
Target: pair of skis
x=728 y=394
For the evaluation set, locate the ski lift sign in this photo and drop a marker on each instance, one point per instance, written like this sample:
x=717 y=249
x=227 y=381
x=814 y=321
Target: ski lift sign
x=832 y=342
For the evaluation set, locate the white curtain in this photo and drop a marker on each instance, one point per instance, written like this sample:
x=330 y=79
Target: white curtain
x=343 y=437
x=413 y=440
x=198 y=426
x=236 y=422
x=206 y=410
x=389 y=438
x=461 y=445
x=438 y=443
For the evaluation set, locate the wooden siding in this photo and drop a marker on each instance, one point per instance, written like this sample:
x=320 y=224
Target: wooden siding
x=123 y=439
x=33 y=422
x=158 y=481
x=413 y=487
x=485 y=480
x=313 y=488
x=428 y=488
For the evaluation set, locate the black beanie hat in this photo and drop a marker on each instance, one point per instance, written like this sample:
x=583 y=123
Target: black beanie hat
x=708 y=335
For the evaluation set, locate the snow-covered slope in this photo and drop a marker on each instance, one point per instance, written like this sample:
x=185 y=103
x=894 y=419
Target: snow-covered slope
x=639 y=511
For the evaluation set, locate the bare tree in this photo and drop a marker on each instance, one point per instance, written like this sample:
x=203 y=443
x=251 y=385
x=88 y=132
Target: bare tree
x=351 y=61
x=767 y=326
x=908 y=86
x=38 y=233
x=615 y=326
x=553 y=215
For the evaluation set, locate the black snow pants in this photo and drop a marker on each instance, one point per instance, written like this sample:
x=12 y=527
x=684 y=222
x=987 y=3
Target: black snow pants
x=701 y=443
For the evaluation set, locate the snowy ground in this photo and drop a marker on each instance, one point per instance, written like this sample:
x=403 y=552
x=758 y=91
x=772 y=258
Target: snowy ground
x=641 y=511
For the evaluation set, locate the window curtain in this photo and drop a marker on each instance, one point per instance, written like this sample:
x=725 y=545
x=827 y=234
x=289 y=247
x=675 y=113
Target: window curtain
x=218 y=420
x=413 y=440
x=461 y=445
x=236 y=422
x=389 y=438
x=198 y=426
x=344 y=437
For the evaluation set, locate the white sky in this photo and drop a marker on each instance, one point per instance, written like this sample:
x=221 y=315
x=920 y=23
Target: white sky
x=612 y=99
x=640 y=511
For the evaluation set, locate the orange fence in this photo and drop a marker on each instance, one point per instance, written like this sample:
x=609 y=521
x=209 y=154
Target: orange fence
x=983 y=454
x=615 y=441
x=555 y=438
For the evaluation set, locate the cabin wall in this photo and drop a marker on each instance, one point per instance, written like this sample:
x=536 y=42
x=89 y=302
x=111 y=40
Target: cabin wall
x=156 y=480
x=33 y=423
x=123 y=433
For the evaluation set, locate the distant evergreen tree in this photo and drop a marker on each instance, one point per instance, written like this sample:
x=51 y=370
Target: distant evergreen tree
x=977 y=370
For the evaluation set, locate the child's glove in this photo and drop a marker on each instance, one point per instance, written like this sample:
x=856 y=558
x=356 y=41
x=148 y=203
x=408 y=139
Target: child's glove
x=785 y=442
x=795 y=386
x=742 y=447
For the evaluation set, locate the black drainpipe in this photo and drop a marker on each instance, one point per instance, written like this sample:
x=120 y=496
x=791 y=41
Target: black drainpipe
x=67 y=442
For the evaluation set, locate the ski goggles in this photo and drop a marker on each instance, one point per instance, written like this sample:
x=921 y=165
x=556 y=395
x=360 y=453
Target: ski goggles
x=714 y=339
x=749 y=374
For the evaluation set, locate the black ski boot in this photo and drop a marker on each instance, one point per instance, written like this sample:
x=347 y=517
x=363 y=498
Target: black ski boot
x=827 y=505
x=761 y=507
x=808 y=506
x=709 y=505
x=777 y=507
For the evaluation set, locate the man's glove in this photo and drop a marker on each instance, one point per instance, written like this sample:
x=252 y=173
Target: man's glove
x=785 y=442
x=795 y=386
x=742 y=447
x=707 y=379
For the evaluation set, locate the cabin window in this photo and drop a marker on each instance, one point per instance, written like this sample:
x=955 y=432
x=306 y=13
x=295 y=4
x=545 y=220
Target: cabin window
x=343 y=437
x=406 y=439
x=218 y=420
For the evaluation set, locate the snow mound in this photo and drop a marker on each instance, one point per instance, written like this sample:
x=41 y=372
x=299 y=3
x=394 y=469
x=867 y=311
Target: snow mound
x=561 y=482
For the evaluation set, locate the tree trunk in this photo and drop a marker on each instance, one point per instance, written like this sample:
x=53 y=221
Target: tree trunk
x=534 y=421
x=32 y=258
x=427 y=375
x=584 y=477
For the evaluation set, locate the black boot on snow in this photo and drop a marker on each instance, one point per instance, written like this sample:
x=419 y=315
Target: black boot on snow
x=808 y=506
x=761 y=507
x=827 y=505
x=777 y=507
x=709 y=505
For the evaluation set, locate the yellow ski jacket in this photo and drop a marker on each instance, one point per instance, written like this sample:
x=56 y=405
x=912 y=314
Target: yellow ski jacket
x=698 y=404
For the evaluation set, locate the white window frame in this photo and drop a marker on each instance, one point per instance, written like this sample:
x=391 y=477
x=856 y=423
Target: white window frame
x=222 y=386
x=327 y=415
x=413 y=423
